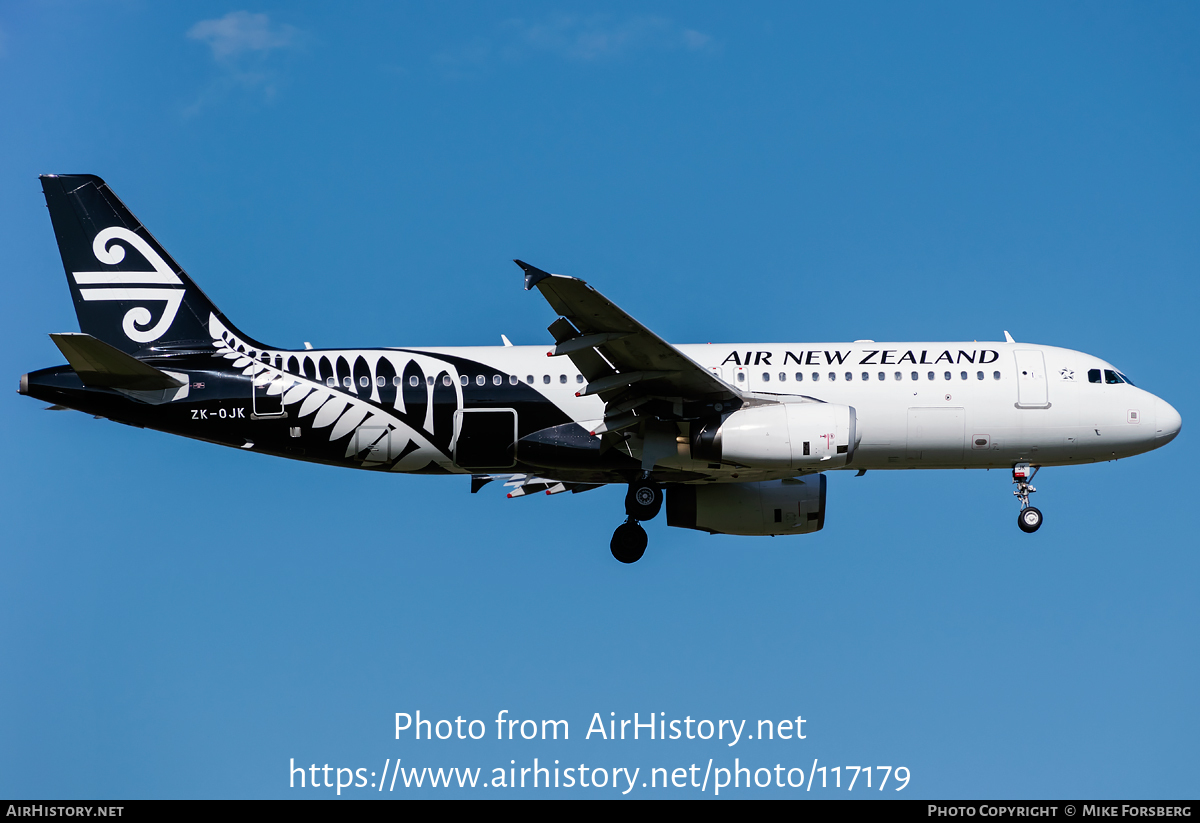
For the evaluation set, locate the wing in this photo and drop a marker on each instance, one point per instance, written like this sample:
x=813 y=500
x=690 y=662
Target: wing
x=624 y=362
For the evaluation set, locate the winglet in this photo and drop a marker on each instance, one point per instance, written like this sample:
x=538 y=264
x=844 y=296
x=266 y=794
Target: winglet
x=533 y=275
x=1008 y=338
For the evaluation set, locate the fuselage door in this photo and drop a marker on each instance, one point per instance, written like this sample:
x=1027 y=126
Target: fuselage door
x=267 y=395
x=483 y=438
x=1031 y=380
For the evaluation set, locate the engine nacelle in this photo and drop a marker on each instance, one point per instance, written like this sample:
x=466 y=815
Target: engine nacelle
x=794 y=506
x=780 y=436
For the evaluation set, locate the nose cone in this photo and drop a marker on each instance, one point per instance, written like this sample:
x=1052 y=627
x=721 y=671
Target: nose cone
x=1168 y=422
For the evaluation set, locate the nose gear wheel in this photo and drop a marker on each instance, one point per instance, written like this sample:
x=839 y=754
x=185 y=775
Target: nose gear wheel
x=1029 y=520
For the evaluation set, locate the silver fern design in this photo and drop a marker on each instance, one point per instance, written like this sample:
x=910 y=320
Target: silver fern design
x=384 y=427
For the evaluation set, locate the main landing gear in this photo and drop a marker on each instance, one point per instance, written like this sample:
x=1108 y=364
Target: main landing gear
x=642 y=502
x=1030 y=519
x=628 y=542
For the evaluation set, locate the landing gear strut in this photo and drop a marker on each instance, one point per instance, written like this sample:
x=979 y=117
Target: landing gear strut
x=1029 y=519
x=643 y=502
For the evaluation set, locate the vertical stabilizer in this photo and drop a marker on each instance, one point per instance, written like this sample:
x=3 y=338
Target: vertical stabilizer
x=128 y=291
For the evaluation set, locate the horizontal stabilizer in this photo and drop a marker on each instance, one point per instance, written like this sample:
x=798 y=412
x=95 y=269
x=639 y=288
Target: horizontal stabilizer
x=99 y=364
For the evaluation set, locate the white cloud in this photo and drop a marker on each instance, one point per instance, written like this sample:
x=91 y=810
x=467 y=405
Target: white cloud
x=242 y=44
x=590 y=39
x=241 y=33
x=599 y=37
x=696 y=40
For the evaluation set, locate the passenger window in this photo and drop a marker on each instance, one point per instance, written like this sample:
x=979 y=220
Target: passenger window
x=799 y=377
x=464 y=380
x=579 y=378
x=347 y=382
x=964 y=375
x=529 y=379
x=331 y=382
x=782 y=377
x=849 y=376
x=429 y=380
x=562 y=378
x=947 y=375
x=995 y=375
x=414 y=381
x=396 y=381
x=446 y=381
x=978 y=375
x=380 y=382
x=497 y=380
x=930 y=375
x=480 y=380
x=766 y=377
x=866 y=376
x=832 y=376
x=1111 y=377
x=741 y=377
x=816 y=376
x=364 y=381
x=916 y=376
x=546 y=379
x=512 y=380
x=899 y=376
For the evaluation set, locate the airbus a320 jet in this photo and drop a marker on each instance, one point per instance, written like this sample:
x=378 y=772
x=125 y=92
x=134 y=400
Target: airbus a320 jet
x=736 y=438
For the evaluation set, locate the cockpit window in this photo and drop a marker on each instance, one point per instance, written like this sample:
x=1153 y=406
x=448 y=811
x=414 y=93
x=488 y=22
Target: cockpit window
x=1094 y=375
x=1112 y=377
x=1124 y=377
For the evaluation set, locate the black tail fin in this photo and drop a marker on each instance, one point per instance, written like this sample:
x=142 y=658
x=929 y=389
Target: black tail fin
x=128 y=291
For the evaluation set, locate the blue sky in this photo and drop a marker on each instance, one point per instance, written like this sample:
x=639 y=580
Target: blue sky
x=180 y=620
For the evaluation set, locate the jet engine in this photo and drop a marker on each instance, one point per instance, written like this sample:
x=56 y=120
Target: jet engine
x=782 y=435
x=793 y=506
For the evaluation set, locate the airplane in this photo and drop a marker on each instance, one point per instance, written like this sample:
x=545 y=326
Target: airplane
x=735 y=438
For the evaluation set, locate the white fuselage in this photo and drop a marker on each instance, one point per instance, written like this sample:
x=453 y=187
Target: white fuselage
x=919 y=405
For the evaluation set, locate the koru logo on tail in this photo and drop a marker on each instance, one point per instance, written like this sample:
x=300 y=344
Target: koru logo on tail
x=126 y=285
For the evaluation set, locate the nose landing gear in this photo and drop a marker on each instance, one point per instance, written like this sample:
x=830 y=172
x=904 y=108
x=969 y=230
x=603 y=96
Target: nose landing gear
x=1029 y=519
x=642 y=502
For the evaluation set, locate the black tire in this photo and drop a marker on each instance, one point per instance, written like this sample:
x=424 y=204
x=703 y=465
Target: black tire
x=643 y=500
x=628 y=542
x=1029 y=520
